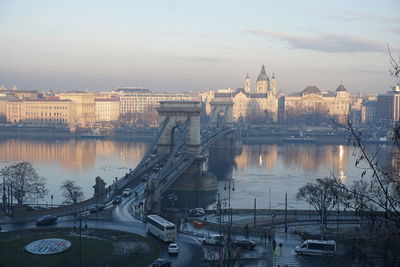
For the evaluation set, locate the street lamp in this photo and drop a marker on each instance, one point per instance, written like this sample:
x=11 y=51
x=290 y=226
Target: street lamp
x=273 y=226
x=229 y=188
x=4 y=194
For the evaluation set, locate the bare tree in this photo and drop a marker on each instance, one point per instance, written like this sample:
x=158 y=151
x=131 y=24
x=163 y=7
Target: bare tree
x=71 y=192
x=322 y=195
x=395 y=65
x=24 y=181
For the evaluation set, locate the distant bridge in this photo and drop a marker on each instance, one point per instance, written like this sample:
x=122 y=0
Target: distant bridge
x=180 y=147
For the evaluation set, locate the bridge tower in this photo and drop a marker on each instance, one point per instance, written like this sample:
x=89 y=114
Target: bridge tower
x=184 y=115
x=221 y=113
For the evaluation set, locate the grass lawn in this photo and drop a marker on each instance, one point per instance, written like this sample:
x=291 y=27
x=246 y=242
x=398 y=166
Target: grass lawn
x=99 y=248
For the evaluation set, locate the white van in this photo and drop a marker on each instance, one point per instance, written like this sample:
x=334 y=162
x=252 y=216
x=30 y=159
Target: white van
x=317 y=247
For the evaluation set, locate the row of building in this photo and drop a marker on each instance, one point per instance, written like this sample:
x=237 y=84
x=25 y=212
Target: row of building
x=264 y=103
x=79 y=108
x=261 y=103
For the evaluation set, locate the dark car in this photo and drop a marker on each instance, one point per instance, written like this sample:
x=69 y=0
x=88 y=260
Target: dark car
x=161 y=263
x=96 y=208
x=46 y=220
x=117 y=200
x=243 y=244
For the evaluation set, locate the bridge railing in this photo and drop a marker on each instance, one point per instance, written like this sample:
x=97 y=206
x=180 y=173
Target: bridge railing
x=153 y=145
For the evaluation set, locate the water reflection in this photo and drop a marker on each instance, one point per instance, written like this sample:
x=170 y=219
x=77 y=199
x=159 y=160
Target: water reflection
x=256 y=169
x=70 y=154
x=59 y=159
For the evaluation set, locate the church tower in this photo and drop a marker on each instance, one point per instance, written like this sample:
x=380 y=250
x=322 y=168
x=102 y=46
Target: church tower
x=273 y=84
x=262 y=81
x=247 y=87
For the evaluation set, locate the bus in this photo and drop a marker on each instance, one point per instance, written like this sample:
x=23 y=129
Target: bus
x=317 y=247
x=161 y=228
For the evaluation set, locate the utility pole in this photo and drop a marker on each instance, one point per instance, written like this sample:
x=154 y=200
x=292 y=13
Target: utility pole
x=270 y=199
x=286 y=213
x=80 y=241
x=219 y=210
x=255 y=209
x=4 y=194
x=337 y=224
x=322 y=217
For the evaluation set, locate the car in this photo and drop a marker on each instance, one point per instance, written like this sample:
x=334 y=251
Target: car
x=197 y=212
x=173 y=248
x=213 y=240
x=161 y=263
x=244 y=244
x=46 y=220
x=127 y=192
x=97 y=208
x=116 y=200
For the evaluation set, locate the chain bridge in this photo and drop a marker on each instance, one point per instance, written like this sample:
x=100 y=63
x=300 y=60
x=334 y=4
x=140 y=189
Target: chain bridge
x=180 y=148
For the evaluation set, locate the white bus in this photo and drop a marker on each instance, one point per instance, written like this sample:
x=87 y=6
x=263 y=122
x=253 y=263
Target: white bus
x=161 y=228
x=317 y=247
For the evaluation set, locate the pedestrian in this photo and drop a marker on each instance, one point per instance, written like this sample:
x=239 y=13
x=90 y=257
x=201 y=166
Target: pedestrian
x=238 y=252
x=273 y=244
x=276 y=251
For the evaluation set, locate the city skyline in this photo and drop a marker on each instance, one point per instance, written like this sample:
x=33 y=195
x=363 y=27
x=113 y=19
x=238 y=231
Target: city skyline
x=190 y=46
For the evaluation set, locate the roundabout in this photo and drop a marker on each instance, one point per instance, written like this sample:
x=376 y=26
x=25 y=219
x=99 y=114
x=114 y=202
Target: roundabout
x=65 y=247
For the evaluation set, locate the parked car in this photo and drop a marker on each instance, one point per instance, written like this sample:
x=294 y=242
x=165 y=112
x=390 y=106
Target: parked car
x=97 y=208
x=116 y=200
x=173 y=248
x=161 y=263
x=46 y=220
x=213 y=240
x=127 y=192
x=244 y=244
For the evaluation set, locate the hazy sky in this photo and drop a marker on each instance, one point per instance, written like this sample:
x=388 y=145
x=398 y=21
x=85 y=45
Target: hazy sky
x=195 y=45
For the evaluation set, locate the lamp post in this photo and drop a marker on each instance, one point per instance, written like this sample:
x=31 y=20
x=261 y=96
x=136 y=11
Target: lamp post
x=270 y=199
x=80 y=241
x=273 y=226
x=4 y=194
x=231 y=186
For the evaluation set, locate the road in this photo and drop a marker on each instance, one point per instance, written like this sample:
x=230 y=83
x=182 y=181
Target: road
x=190 y=251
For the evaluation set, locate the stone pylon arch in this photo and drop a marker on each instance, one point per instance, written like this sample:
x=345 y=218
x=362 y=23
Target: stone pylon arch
x=221 y=113
x=179 y=114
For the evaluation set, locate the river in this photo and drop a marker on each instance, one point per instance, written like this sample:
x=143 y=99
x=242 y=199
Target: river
x=254 y=171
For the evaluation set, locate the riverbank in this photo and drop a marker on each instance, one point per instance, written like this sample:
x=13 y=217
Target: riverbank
x=273 y=135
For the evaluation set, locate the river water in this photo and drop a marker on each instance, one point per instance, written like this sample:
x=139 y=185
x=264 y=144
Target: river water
x=254 y=171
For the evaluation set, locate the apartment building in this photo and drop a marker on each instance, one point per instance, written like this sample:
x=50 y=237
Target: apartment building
x=107 y=109
x=140 y=101
x=51 y=110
